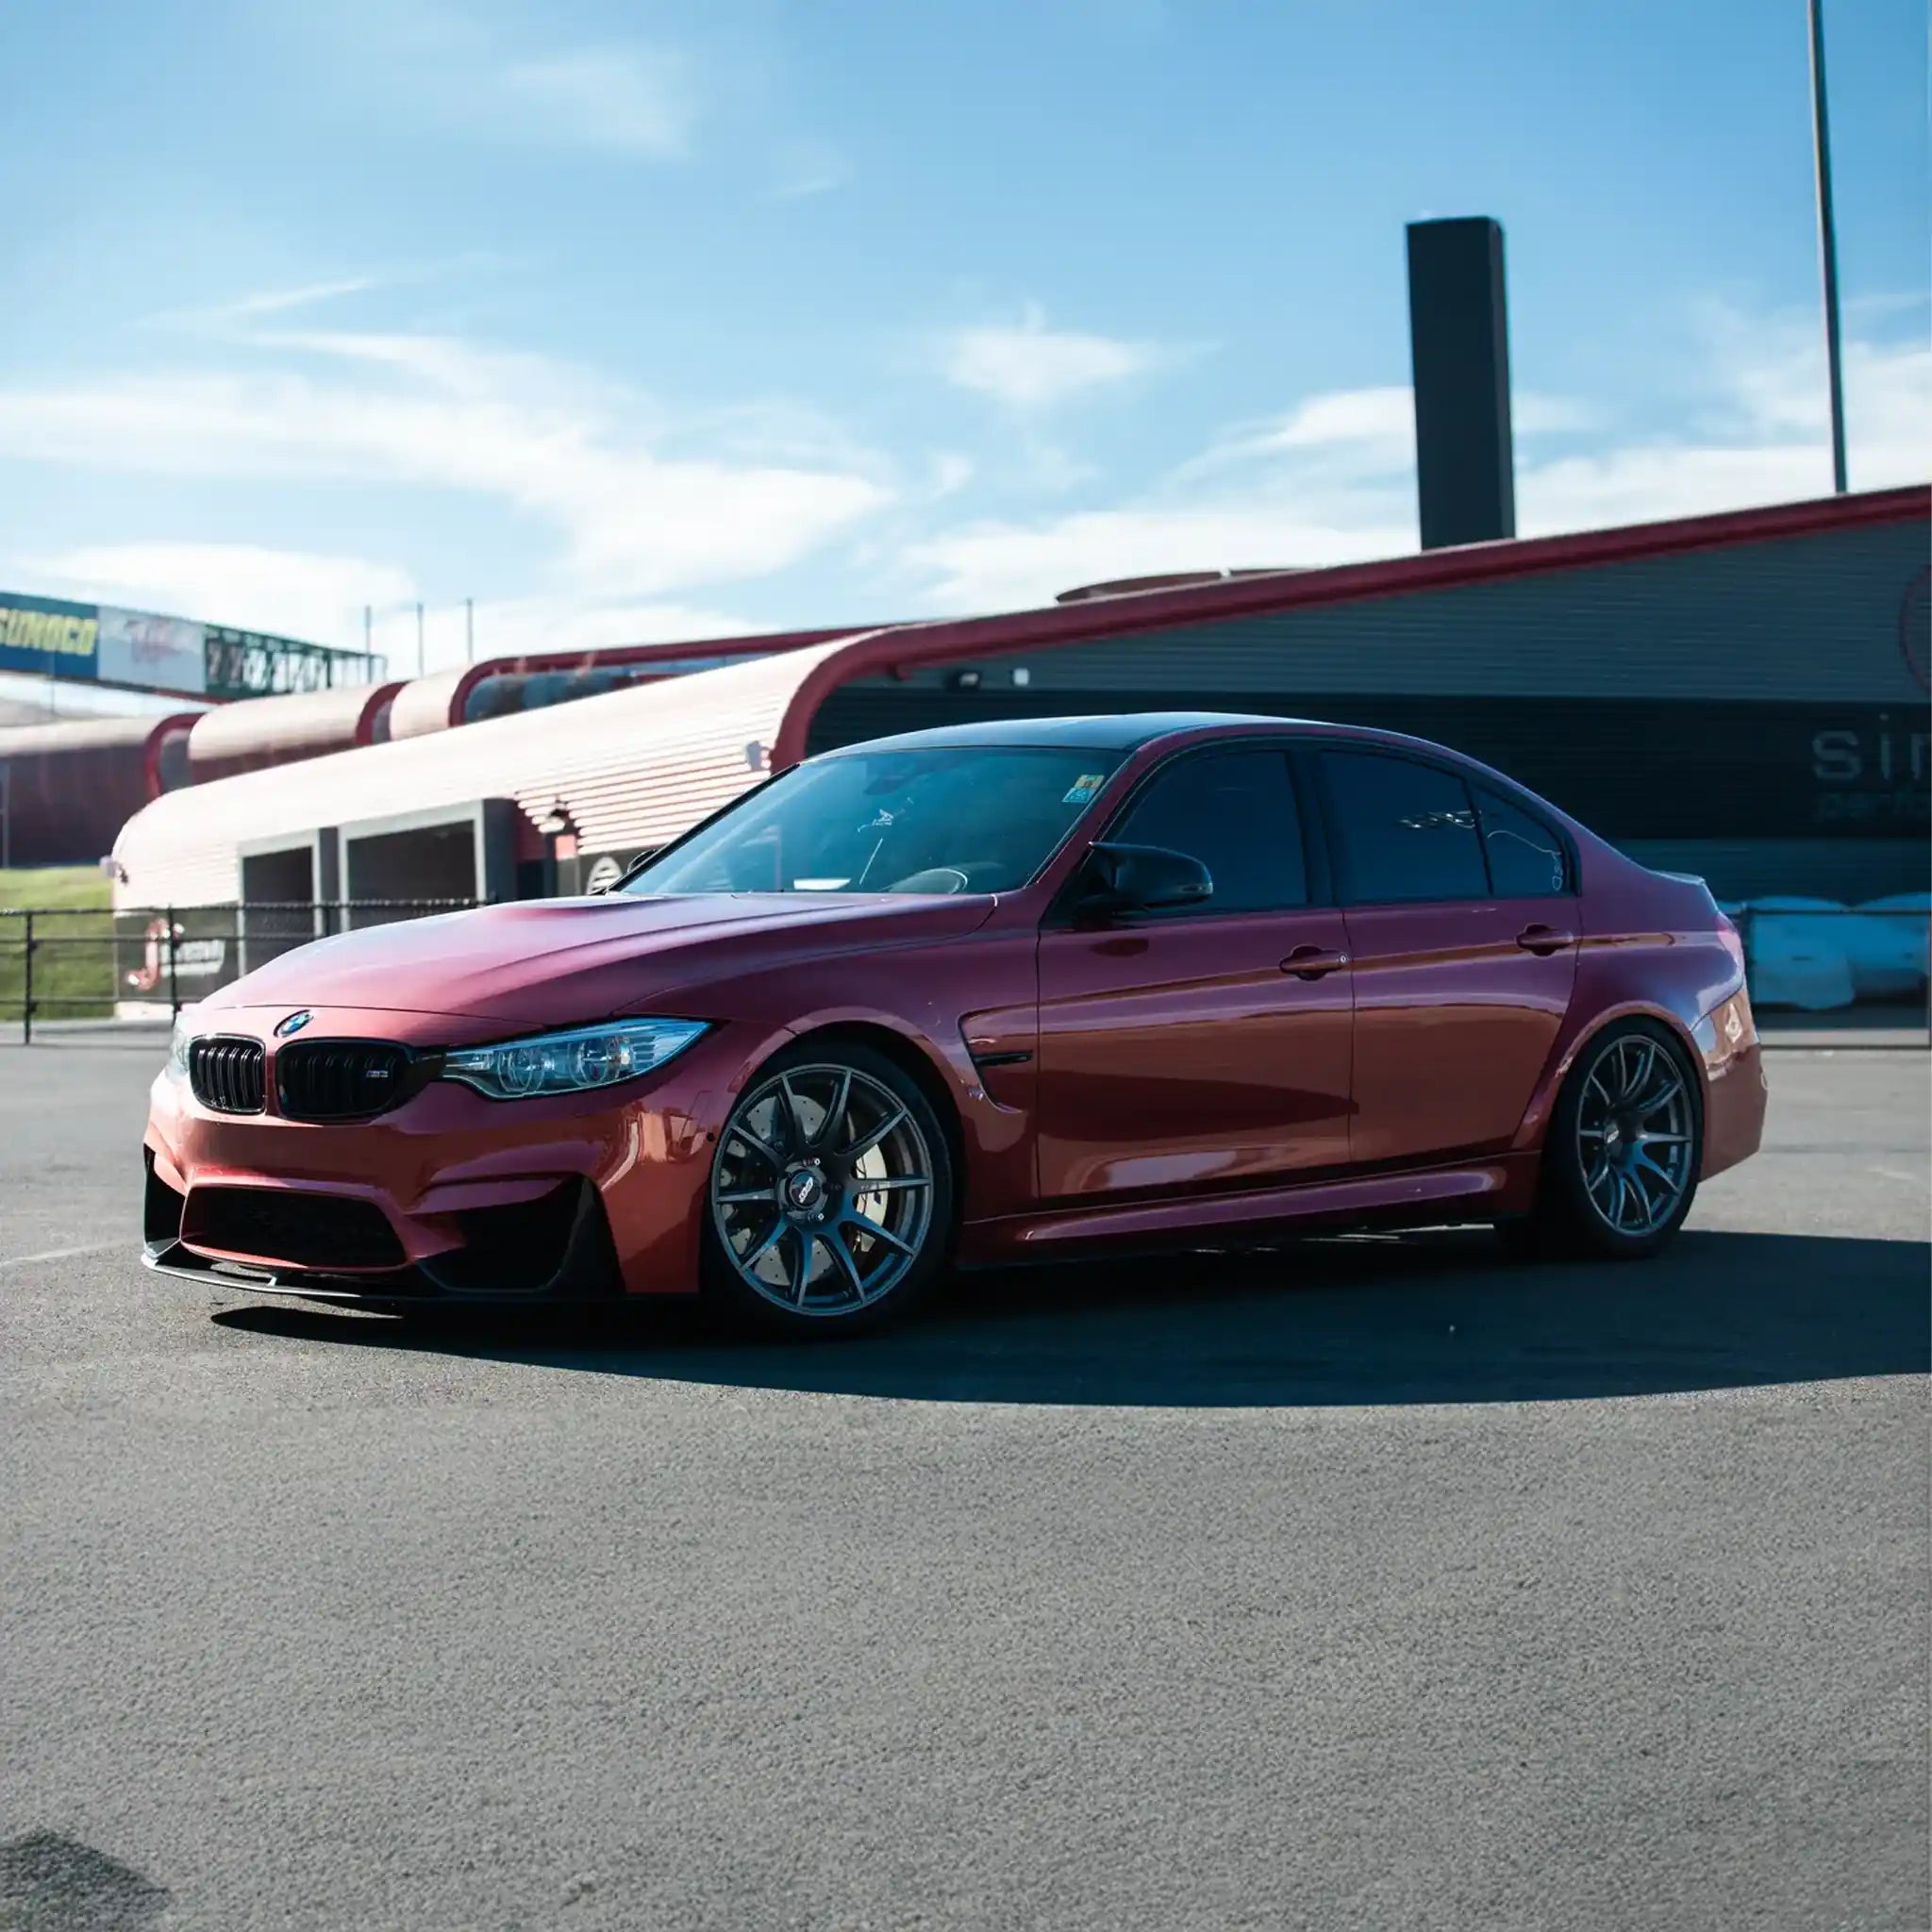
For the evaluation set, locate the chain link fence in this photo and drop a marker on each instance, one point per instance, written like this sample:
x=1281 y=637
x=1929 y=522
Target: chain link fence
x=1813 y=959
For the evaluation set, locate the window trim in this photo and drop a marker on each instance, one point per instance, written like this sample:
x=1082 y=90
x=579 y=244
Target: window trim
x=1470 y=782
x=1315 y=861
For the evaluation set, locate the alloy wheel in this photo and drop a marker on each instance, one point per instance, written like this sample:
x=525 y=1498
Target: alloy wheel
x=822 y=1193
x=1634 y=1135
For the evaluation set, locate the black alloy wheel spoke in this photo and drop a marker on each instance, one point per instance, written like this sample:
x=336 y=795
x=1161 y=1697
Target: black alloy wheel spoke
x=860 y=1148
x=743 y=1133
x=846 y=1260
x=866 y=1225
x=835 y=1114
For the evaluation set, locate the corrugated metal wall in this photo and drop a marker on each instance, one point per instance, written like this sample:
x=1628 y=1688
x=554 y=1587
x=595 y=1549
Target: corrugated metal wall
x=1814 y=618
x=1751 y=704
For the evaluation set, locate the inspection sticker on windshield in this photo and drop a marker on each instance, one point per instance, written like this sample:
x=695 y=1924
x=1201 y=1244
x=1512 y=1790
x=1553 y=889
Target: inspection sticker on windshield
x=1084 y=789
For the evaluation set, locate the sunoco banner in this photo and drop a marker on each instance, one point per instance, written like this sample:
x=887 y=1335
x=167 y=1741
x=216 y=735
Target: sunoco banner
x=47 y=635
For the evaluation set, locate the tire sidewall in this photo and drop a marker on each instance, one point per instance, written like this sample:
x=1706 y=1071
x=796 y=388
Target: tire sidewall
x=720 y=1281
x=1571 y=1209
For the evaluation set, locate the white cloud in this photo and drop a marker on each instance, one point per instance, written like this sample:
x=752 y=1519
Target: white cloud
x=322 y=598
x=293 y=593
x=1006 y=566
x=513 y=627
x=498 y=71
x=810 y=167
x=273 y=302
x=1760 y=435
x=1372 y=428
x=577 y=454
x=950 y=471
x=1033 y=366
x=636 y=100
x=1331 y=480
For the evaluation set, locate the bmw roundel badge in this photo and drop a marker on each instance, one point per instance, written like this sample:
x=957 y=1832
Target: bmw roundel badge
x=294 y=1023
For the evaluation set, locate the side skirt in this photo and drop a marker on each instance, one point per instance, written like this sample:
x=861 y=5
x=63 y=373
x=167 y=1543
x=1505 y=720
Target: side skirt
x=1496 y=1188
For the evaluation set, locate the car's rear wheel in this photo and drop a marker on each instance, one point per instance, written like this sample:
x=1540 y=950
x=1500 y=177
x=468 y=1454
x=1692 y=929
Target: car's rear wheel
x=831 y=1194
x=1623 y=1150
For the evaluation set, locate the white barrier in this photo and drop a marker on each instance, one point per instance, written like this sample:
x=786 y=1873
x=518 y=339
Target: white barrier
x=1816 y=954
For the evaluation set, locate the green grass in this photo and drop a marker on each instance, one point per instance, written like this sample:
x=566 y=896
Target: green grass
x=74 y=982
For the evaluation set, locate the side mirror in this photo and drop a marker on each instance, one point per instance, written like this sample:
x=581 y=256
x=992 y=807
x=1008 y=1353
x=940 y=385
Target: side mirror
x=1144 y=878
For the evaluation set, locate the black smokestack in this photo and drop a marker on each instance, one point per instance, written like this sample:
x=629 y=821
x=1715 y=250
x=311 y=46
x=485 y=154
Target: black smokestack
x=1458 y=331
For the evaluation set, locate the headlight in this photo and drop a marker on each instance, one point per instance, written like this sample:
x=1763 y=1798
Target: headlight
x=178 y=1048
x=574 y=1063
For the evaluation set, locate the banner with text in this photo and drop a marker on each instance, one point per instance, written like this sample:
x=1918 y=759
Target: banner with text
x=47 y=636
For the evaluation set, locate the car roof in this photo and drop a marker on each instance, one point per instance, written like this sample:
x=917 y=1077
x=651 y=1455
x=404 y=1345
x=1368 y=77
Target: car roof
x=1108 y=731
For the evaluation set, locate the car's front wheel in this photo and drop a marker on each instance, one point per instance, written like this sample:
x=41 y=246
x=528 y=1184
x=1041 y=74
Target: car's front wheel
x=1625 y=1143
x=831 y=1194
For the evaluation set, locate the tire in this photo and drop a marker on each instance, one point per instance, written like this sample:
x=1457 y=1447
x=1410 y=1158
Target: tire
x=796 y=1241
x=1634 y=1078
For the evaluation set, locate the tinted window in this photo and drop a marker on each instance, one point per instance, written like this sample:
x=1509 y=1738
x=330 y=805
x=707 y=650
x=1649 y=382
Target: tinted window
x=937 y=818
x=1526 y=858
x=1406 y=831
x=1233 y=810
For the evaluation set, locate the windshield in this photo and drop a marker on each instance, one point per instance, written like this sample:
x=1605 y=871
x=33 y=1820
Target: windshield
x=965 y=819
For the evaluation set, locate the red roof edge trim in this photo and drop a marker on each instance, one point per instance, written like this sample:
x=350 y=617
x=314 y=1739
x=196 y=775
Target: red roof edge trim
x=380 y=695
x=165 y=728
x=1258 y=595
x=535 y=661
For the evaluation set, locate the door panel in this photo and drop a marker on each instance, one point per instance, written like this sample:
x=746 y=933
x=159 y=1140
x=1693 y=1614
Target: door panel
x=1179 y=1056
x=1455 y=1019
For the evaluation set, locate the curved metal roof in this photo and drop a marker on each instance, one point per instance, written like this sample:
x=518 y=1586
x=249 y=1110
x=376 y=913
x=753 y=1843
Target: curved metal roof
x=92 y=733
x=442 y=700
x=252 y=732
x=633 y=768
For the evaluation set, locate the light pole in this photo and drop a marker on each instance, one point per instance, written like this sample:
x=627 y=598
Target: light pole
x=1827 y=244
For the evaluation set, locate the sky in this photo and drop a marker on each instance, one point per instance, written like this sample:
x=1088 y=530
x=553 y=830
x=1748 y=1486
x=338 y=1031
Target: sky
x=631 y=321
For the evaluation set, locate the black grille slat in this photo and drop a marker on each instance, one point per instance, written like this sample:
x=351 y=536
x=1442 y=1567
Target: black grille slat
x=289 y=1226
x=340 y=1079
x=227 y=1073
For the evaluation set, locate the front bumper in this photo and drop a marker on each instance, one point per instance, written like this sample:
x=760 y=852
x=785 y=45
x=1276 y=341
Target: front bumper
x=448 y=1196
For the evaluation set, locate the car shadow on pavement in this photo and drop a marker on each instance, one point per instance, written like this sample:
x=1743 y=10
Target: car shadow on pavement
x=1438 y=1317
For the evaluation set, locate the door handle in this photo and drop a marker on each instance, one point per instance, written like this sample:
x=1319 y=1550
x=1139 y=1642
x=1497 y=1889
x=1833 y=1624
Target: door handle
x=1544 y=939
x=1311 y=962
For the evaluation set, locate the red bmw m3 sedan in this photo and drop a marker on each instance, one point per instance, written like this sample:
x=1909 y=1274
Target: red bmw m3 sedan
x=999 y=992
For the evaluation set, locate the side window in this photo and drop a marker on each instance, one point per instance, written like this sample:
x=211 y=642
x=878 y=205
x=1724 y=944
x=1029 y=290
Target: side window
x=1235 y=811
x=1406 y=832
x=1526 y=858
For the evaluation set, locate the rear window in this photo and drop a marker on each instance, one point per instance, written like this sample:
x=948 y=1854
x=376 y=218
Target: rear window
x=1406 y=832
x=1526 y=858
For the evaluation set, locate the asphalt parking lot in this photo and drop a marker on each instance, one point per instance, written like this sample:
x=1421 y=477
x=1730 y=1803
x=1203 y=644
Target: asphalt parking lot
x=1372 y=1584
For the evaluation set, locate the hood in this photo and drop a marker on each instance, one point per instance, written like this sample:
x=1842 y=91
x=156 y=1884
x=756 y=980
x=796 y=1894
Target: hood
x=545 y=962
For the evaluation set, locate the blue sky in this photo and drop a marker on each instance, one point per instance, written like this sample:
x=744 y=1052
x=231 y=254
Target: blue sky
x=638 y=319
